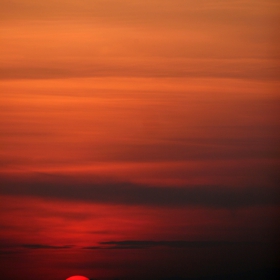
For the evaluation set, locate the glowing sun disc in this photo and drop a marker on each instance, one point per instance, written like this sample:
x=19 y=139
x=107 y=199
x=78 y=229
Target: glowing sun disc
x=77 y=277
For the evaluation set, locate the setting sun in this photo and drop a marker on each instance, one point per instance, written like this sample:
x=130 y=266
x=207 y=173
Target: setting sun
x=77 y=277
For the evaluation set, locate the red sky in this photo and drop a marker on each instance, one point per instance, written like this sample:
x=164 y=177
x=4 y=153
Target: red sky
x=139 y=139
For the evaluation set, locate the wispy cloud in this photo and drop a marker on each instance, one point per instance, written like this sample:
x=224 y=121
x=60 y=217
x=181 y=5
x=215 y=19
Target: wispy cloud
x=152 y=67
x=126 y=193
x=136 y=38
x=145 y=244
x=45 y=246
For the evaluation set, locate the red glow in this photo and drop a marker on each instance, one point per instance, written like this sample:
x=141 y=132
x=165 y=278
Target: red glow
x=77 y=277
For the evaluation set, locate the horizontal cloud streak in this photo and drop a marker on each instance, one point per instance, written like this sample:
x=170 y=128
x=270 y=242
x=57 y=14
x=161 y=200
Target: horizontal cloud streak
x=119 y=11
x=145 y=244
x=137 y=194
x=192 y=68
x=135 y=38
x=44 y=246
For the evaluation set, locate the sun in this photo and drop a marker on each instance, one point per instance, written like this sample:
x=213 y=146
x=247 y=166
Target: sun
x=77 y=277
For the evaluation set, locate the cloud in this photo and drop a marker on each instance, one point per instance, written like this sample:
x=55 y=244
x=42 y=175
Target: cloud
x=10 y=249
x=125 y=193
x=152 y=67
x=137 y=11
x=44 y=246
x=145 y=244
x=93 y=39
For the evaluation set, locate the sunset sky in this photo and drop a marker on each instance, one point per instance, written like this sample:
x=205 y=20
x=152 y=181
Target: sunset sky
x=138 y=139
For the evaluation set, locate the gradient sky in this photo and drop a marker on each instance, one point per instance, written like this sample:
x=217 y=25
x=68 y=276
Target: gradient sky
x=138 y=139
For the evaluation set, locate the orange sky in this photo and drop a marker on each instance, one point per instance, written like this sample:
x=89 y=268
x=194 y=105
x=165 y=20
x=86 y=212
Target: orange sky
x=137 y=121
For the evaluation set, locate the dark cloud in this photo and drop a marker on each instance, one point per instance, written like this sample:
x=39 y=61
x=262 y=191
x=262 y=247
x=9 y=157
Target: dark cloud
x=144 y=244
x=9 y=252
x=44 y=246
x=67 y=188
x=10 y=249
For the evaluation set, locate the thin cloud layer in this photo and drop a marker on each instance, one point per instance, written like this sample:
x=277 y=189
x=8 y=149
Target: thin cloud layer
x=139 y=39
x=45 y=246
x=136 y=194
x=183 y=68
x=147 y=244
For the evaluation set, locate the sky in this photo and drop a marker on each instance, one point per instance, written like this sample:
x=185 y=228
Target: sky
x=139 y=139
